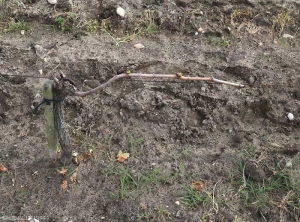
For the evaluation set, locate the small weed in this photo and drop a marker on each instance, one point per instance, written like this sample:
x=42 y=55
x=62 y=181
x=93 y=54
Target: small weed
x=108 y=141
x=218 y=41
x=280 y=21
x=162 y=213
x=70 y=169
x=151 y=28
x=266 y=56
x=60 y=22
x=127 y=183
x=165 y=140
x=156 y=177
x=187 y=152
x=71 y=15
x=236 y=219
x=144 y=216
x=88 y=143
x=151 y=177
x=239 y=16
x=119 y=40
x=14 y=26
x=65 y=23
x=130 y=185
x=250 y=27
x=193 y=198
x=146 y=23
x=18 y=3
x=135 y=142
x=265 y=2
x=265 y=193
x=91 y=26
x=282 y=41
x=149 y=22
x=23 y=196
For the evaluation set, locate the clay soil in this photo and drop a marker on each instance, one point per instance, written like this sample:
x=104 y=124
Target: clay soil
x=198 y=151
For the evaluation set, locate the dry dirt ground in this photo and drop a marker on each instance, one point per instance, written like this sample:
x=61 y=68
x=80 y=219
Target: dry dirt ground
x=198 y=151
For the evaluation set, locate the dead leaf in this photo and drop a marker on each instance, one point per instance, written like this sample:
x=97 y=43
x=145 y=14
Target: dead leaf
x=88 y=155
x=139 y=46
x=64 y=185
x=77 y=159
x=73 y=177
x=62 y=171
x=197 y=185
x=122 y=156
x=2 y=168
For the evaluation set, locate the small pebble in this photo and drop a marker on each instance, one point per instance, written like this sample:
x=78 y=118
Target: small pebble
x=196 y=33
x=203 y=89
x=139 y=46
x=120 y=11
x=177 y=203
x=52 y=2
x=22 y=32
x=74 y=153
x=289 y=163
x=288 y=36
x=290 y=116
x=200 y=29
x=102 y=218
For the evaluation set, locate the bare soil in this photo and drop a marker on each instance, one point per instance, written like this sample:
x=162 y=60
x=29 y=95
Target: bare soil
x=237 y=142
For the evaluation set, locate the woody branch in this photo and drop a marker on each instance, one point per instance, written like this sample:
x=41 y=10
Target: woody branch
x=163 y=76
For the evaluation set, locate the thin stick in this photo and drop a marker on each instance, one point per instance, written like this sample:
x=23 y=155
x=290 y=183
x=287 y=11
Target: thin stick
x=164 y=76
x=213 y=199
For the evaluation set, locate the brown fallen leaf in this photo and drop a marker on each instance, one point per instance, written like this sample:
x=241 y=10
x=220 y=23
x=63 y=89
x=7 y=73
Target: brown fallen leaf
x=122 y=156
x=73 y=177
x=88 y=155
x=77 y=159
x=62 y=171
x=197 y=185
x=64 y=185
x=2 y=168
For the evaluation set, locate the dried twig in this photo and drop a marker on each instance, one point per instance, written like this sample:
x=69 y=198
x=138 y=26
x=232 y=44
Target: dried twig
x=164 y=76
x=215 y=205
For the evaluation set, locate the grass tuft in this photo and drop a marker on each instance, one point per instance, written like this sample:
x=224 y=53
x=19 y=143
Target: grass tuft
x=15 y=25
